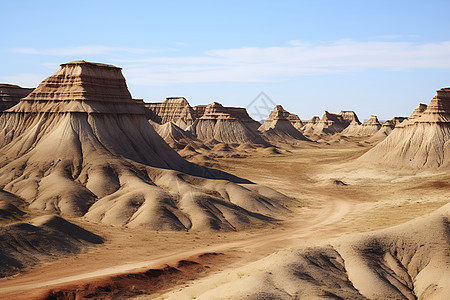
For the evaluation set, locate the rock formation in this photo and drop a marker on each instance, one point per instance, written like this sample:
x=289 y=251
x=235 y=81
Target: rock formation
x=79 y=145
x=295 y=120
x=386 y=128
x=278 y=127
x=173 y=109
x=230 y=125
x=366 y=129
x=418 y=111
x=11 y=94
x=330 y=123
x=420 y=142
x=175 y=136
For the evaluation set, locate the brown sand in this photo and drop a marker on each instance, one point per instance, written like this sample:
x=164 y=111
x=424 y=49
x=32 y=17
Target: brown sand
x=370 y=200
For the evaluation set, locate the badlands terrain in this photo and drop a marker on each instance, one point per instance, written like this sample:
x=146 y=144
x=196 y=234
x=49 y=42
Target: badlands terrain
x=103 y=196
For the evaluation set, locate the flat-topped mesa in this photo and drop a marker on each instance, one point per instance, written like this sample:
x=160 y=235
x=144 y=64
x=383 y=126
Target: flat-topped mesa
x=11 y=94
x=173 y=109
x=419 y=142
x=81 y=86
x=230 y=125
x=279 y=127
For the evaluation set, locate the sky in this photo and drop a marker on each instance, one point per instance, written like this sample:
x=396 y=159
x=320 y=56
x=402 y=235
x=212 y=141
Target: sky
x=373 y=57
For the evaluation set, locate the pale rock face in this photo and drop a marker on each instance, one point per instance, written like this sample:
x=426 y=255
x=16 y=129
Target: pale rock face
x=330 y=123
x=418 y=111
x=420 y=142
x=173 y=109
x=79 y=145
x=295 y=121
x=11 y=94
x=278 y=126
x=366 y=129
x=230 y=125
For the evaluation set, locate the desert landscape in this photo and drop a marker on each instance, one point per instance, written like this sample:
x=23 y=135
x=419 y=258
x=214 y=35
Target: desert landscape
x=108 y=197
x=254 y=150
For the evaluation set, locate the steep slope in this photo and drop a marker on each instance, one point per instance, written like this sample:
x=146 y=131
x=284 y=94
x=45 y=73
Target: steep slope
x=409 y=261
x=78 y=145
x=419 y=142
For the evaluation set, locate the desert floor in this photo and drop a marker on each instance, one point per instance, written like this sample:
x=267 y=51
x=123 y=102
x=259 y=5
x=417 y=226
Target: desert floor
x=332 y=195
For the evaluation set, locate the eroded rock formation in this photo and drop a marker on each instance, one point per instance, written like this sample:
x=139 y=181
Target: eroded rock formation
x=230 y=125
x=79 y=145
x=420 y=142
x=278 y=126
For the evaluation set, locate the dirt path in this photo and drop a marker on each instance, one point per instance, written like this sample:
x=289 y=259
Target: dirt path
x=256 y=247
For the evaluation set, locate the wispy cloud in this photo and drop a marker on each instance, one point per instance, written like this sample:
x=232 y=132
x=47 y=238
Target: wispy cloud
x=262 y=64
x=82 y=50
x=256 y=64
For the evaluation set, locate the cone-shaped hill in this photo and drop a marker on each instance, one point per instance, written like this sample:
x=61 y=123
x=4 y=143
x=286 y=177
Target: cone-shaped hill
x=422 y=141
x=79 y=145
x=230 y=125
x=278 y=127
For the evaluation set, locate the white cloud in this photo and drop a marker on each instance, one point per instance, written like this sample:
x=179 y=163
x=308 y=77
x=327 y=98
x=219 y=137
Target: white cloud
x=255 y=64
x=82 y=50
x=262 y=64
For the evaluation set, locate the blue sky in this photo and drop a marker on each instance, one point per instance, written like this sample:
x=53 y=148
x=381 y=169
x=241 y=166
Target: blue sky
x=374 y=57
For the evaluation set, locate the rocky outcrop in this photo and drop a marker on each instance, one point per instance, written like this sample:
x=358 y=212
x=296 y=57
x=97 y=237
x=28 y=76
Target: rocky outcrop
x=230 y=125
x=295 y=121
x=420 y=142
x=173 y=109
x=387 y=127
x=366 y=129
x=278 y=127
x=79 y=145
x=330 y=123
x=11 y=94
x=418 y=111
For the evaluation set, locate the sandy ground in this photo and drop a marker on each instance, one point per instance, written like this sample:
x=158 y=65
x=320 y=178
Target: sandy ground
x=332 y=198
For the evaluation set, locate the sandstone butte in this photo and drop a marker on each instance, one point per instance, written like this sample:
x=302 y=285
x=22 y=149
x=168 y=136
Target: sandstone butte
x=79 y=145
x=278 y=126
x=422 y=141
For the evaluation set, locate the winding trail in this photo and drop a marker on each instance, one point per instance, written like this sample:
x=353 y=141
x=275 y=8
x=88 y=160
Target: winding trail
x=304 y=227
